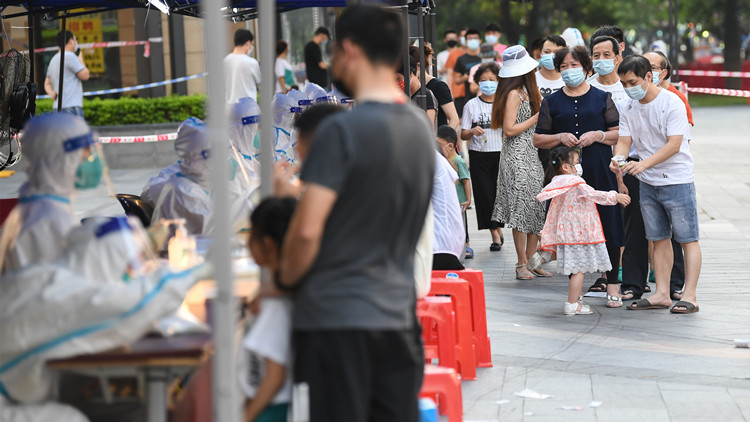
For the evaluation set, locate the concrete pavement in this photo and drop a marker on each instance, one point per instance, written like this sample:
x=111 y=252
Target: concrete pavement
x=641 y=365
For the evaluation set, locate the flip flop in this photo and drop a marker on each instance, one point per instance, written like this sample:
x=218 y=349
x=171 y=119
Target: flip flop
x=599 y=286
x=540 y=272
x=469 y=253
x=689 y=308
x=646 y=288
x=645 y=304
x=677 y=295
x=630 y=292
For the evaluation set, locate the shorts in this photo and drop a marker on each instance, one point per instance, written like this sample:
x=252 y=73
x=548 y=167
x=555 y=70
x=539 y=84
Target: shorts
x=670 y=209
x=360 y=375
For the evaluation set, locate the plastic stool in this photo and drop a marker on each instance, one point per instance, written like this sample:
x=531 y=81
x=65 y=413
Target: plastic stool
x=478 y=312
x=459 y=292
x=443 y=347
x=445 y=383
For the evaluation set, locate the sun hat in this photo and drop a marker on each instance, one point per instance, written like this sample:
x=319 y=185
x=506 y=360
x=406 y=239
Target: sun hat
x=517 y=62
x=572 y=37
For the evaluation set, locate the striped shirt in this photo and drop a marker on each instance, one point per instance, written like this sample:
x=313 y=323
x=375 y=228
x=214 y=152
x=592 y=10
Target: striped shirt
x=479 y=113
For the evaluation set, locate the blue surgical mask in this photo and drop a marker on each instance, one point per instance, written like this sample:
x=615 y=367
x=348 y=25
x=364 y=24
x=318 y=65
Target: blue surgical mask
x=655 y=78
x=488 y=87
x=636 y=92
x=573 y=76
x=89 y=173
x=604 y=66
x=463 y=40
x=491 y=39
x=548 y=61
x=473 y=44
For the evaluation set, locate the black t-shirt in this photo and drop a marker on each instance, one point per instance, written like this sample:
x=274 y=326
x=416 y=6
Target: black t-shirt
x=443 y=95
x=463 y=66
x=379 y=160
x=313 y=57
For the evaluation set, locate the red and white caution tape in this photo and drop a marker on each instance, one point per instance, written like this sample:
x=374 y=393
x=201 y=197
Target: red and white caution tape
x=137 y=139
x=715 y=73
x=717 y=91
x=104 y=44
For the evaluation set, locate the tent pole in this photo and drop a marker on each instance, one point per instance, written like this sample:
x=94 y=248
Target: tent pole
x=433 y=31
x=61 y=76
x=422 y=67
x=405 y=14
x=266 y=37
x=30 y=23
x=224 y=376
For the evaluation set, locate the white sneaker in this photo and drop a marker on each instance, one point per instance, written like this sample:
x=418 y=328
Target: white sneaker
x=572 y=309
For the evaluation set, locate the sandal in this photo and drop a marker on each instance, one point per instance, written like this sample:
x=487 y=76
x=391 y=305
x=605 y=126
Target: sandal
x=614 y=302
x=689 y=308
x=645 y=304
x=646 y=288
x=494 y=246
x=522 y=273
x=538 y=259
x=469 y=253
x=540 y=272
x=677 y=295
x=599 y=286
x=631 y=293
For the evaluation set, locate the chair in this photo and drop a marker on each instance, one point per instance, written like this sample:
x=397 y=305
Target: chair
x=478 y=311
x=446 y=385
x=438 y=312
x=460 y=294
x=134 y=205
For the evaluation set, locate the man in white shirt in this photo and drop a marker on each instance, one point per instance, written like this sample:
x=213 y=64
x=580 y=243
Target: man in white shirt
x=74 y=74
x=655 y=122
x=605 y=52
x=241 y=72
x=548 y=79
x=448 y=243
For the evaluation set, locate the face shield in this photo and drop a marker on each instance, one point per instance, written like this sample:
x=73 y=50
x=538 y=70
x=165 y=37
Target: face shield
x=193 y=147
x=244 y=121
x=340 y=98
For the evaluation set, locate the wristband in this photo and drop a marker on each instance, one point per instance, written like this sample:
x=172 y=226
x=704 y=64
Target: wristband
x=277 y=282
x=604 y=136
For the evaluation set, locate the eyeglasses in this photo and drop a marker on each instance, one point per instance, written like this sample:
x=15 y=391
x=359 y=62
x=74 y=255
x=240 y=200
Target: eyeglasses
x=656 y=68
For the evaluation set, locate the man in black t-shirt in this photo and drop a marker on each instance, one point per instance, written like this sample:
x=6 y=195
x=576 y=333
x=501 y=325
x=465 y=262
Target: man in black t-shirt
x=315 y=67
x=429 y=104
x=349 y=251
x=465 y=63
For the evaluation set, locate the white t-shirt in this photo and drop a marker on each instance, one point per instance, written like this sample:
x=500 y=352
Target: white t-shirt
x=442 y=58
x=546 y=86
x=649 y=125
x=449 y=225
x=242 y=76
x=479 y=113
x=280 y=71
x=268 y=338
x=616 y=89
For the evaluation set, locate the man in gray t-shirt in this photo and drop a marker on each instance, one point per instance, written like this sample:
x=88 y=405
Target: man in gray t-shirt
x=349 y=251
x=74 y=73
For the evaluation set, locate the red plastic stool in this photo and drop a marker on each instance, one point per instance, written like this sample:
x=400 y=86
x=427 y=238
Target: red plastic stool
x=478 y=312
x=459 y=292
x=446 y=385
x=438 y=311
x=6 y=206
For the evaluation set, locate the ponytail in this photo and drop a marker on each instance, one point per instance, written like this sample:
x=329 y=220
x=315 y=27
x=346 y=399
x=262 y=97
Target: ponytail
x=558 y=156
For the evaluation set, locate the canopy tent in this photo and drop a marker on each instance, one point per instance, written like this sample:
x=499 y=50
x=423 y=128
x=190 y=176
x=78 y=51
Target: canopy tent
x=223 y=370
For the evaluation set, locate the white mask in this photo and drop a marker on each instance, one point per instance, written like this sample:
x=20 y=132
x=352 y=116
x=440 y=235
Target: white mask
x=579 y=170
x=250 y=51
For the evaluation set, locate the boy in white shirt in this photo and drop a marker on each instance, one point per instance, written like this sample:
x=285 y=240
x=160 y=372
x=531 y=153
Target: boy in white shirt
x=654 y=121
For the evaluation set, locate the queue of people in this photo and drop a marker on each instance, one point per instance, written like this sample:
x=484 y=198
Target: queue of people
x=561 y=150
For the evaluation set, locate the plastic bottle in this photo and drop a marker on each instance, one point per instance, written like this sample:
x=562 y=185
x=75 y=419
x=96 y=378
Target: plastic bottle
x=182 y=248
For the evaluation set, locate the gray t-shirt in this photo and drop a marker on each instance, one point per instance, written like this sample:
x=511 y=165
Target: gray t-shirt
x=72 y=88
x=380 y=160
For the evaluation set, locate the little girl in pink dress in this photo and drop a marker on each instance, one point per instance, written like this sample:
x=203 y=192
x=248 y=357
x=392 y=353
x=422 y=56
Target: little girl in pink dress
x=573 y=229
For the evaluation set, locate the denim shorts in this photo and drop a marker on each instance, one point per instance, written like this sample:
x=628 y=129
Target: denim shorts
x=668 y=209
x=76 y=111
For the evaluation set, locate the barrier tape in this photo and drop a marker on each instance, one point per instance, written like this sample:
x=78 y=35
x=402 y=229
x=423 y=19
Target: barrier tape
x=717 y=91
x=137 y=139
x=104 y=44
x=716 y=73
x=138 y=87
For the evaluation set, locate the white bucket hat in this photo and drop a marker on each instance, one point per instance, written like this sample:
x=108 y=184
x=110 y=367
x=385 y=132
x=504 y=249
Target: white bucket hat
x=517 y=62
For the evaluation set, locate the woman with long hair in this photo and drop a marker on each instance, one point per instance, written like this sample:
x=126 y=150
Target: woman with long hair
x=520 y=179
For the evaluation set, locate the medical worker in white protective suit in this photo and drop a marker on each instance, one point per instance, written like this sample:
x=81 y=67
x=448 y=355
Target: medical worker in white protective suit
x=285 y=110
x=58 y=149
x=100 y=294
x=187 y=193
x=152 y=188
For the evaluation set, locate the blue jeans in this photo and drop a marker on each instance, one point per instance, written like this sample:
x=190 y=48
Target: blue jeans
x=668 y=209
x=76 y=111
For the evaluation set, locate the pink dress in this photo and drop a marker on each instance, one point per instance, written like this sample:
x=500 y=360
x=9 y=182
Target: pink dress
x=573 y=228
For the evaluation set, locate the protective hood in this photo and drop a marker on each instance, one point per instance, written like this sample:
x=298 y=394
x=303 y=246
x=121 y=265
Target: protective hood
x=559 y=186
x=152 y=189
x=244 y=120
x=52 y=144
x=284 y=110
x=107 y=249
x=340 y=98
x=301 y=98
x=316 y=94
x=193 y=147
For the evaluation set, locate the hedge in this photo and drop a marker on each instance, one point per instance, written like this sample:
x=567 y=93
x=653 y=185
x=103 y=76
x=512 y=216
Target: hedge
x=126 y=110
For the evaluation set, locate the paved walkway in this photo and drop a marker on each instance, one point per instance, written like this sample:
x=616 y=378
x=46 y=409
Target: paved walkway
x=641 y=365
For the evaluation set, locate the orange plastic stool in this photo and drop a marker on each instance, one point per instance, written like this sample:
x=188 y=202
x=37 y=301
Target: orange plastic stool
x=438 y=312
x=459 y=292
x=446 y=385
x=478 y=312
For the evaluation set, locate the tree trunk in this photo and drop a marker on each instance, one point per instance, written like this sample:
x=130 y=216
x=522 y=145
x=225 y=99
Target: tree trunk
x=507 y=23
x=732 y=42
x=532 y=22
